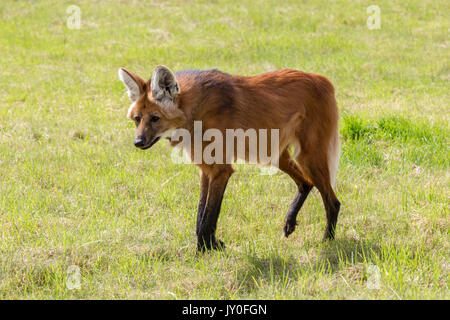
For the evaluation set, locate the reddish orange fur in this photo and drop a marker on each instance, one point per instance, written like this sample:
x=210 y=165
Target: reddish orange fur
x=301 y=105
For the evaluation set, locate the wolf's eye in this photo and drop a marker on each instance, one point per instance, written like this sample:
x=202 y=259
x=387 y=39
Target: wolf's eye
x=137 y=119
x=154 y=119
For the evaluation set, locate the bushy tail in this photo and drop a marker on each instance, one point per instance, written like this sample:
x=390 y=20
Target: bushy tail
x=334 y=150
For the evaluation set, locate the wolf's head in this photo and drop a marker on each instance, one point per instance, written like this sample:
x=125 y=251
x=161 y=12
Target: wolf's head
x=155 y=105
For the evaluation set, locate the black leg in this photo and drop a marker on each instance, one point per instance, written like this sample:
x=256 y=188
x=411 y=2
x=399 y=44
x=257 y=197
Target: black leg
x=332 y=207
x=204 y=184
x=286 y=164
x=291 y=216
x=208 y=221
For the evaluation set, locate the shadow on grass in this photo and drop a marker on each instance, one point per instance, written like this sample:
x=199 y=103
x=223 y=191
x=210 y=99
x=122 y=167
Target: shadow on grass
x=343 y=252
x=326 y=258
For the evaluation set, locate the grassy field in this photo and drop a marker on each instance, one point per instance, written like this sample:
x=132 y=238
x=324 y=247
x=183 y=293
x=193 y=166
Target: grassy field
x=74 y=190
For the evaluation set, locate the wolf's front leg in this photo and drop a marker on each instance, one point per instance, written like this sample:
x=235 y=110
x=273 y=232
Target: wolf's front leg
x=204 y=186
x=207 y=220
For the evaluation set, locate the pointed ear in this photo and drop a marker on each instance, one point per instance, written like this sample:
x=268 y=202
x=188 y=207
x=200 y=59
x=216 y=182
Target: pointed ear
x=164 y=87
x=135 y=85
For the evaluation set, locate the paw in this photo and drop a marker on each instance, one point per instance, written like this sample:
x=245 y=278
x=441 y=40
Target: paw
x=289 y=227
x=328 y=235
x=213 y=244
x=218 y=245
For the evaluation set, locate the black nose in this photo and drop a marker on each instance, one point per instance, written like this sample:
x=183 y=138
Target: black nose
x=139 y=142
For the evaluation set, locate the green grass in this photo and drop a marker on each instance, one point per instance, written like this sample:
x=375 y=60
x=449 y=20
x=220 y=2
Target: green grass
x=75 y=191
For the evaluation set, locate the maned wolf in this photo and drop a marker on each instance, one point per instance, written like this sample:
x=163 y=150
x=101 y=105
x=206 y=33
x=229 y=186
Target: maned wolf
x=299 y=106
